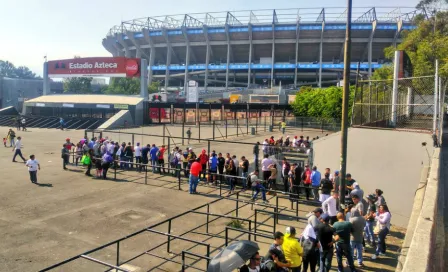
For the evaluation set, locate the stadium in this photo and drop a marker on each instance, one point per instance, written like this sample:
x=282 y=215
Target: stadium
x=263 y=48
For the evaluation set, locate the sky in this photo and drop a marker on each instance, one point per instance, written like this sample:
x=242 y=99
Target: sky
x=32 y=29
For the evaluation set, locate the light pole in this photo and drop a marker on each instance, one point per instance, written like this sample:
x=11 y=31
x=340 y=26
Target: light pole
x=345 y=97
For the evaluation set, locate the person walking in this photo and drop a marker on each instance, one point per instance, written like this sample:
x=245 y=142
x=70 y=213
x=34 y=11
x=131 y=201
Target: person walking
x=324 y=234
x=189 y=134
x=11 y=136
x=293 y=250
x=383 y=226
x=23 y=124
x=342 y=231
x=315 y=182
x=257 y=187
x=88 y=161
x=358 y=223
x=33 y=165
x=256 y=152
x=17 y=149
x=283 y=125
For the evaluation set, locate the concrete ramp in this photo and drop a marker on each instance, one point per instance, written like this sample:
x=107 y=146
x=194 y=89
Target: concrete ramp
x=118 y=120
x=380 y=159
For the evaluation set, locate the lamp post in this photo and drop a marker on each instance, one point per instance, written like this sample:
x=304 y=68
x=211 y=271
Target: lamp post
x=345 y=101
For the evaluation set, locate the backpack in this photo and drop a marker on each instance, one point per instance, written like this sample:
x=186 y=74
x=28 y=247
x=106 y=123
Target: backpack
x=308 y=245
x=268 y=265
x=174 y=161
x=12 y=134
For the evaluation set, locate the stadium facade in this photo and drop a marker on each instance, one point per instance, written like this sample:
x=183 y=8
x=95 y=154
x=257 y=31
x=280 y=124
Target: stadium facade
x=263 y=47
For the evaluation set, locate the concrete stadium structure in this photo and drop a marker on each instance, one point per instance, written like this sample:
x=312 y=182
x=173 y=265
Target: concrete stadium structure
x=264 y=47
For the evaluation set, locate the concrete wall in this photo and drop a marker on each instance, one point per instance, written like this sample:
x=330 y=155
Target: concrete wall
x=118 y=120
x=380 y=159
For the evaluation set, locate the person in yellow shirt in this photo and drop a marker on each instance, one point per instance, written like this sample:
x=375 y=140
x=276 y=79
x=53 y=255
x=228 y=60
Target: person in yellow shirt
x=292 y=249
x=283 y=126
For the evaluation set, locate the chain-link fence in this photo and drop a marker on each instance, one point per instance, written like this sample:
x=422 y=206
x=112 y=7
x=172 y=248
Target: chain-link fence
x=411 y=108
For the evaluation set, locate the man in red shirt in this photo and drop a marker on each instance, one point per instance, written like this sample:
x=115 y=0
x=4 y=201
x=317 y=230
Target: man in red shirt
x=203 y=161
x=160 y=159
x=195 y=170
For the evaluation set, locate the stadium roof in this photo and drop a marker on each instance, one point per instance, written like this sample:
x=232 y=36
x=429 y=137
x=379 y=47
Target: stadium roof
x=268 y=16
x=87 y=99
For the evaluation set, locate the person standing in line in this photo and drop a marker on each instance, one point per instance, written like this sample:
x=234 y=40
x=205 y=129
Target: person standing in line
x=185 y=162
x=358 y=223
x=257 y=187
x=145 y=152
x=357 y=205
x=33 y=165
x=336 y=181
x=324 y=234
x=203 y=160
x=128 y=154
x=11 y=136
x=221 y=163
x=237 y=165
x=265 y=163
x=309 y=243
x=189 y=134
x=265 y=148
x=272 y=180
x=231 y=172
x=342 y=231
x=357 y=191
x=107 y=160
x=138 y=156
x=296 y=181
x=254 y=264
x=154 y=159
x=161 y=160
x=370 y=221
x=244 y=165
x=306 y=177
x=277 y=245
x=331 y=207
x=213 y=168
x=383 y=221
x=327 y=187
x=285 y=170
x=315 y=182
x=195 y=171
x=256 y=152
x=88 y=161
x=17 y=150
x=178 y=156
x=65 y=154
x=292 y=249
x=379 y=198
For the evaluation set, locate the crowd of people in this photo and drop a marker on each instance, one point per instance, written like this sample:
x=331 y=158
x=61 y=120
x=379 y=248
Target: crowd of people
x=329 y=231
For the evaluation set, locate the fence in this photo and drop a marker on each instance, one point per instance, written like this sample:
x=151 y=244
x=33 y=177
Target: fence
x=411 y=108
x=179 y=243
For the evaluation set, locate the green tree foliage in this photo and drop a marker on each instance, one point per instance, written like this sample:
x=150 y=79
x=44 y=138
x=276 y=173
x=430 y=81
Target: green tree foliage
x=383 y=73
x=78 y=85
x=154 y=87
x=323 y=103
x=123 y=85
x=7 y=69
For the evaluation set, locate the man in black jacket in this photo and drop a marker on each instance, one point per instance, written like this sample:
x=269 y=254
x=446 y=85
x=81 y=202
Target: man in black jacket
x=325 y=236
x=256 y=153
x=297 y=179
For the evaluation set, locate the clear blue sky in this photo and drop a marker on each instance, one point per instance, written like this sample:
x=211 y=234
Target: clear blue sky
x=31 y=29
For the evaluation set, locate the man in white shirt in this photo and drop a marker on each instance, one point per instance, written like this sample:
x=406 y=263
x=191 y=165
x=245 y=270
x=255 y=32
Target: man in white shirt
x=17 y=148
x=33 y=165
x=331 y=206
x=138 y=156
x=265 y=167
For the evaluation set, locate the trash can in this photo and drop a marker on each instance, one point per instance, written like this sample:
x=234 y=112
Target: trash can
x=252 y=131
x=271 y=128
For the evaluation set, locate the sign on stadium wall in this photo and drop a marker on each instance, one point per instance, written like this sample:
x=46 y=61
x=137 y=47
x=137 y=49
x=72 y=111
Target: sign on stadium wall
x=84 y=67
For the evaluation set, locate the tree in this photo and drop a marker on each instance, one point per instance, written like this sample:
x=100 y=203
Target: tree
x=321 y=103
x=78 y=85
x=383 y=73
x=154 y=87
x=7 y=69
x=124 y=85
x=24 y=72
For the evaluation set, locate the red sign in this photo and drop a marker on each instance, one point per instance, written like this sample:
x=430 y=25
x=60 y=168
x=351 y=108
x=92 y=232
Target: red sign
x=87 y=67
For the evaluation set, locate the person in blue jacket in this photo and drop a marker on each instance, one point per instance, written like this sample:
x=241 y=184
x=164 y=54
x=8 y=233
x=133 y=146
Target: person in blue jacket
x=153 y=153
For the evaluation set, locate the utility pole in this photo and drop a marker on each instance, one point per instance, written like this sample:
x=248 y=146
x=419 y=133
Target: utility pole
x=345 y=96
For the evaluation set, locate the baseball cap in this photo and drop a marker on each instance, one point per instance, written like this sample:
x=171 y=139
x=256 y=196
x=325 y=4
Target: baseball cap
x=291 y=230
x=68 y=139
x=319 y=210
x=325 y=217
x=336 y=172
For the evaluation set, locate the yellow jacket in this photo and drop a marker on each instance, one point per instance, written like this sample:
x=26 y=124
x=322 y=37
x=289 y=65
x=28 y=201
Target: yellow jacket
x=292 y=249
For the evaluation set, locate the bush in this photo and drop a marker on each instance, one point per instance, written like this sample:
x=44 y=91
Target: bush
x=236 y=223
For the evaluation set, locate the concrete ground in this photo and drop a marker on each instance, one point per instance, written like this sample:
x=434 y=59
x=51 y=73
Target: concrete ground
x=68 y=213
